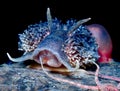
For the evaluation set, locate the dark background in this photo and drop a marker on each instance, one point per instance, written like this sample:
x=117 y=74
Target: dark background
x=15 y=16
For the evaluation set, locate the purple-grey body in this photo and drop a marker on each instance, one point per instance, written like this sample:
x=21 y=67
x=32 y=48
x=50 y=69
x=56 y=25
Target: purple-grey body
x=57 y=44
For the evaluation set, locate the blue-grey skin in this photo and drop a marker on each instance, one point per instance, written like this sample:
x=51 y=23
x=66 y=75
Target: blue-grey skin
x=69 y=44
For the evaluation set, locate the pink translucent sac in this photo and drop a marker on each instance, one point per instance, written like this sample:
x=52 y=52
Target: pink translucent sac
x=104 y=42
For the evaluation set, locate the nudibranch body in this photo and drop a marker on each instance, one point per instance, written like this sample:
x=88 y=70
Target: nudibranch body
x=55 y=44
